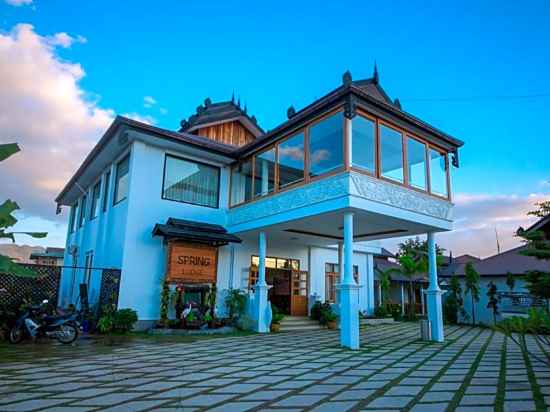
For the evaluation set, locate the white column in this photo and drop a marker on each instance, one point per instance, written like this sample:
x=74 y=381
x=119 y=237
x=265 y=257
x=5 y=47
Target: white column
x=340 y=269
x=422 y=291
x=402 y=299
x=349 y=292
x=380 y=294
x=349 y=134
x=435 y=312
x=369 y=285
x=262 y=309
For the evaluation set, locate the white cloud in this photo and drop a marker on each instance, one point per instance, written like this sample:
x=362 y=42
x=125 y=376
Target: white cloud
x=65 y=40
x=163 y=111
x=18 y=3
x=43 y=108
x=476 y=218
x=149 y=101
x=141 y=118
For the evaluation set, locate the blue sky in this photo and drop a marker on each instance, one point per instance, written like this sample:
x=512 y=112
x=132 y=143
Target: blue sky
x=282 y=53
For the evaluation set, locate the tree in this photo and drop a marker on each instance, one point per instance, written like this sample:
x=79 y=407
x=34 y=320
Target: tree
x=537 y=245
x=7 y=265
x=492 y=300
x=454 y=303
x=472 y=287
x=413 y=258
x=510 y=281
x=385 y=283
x=411 y=268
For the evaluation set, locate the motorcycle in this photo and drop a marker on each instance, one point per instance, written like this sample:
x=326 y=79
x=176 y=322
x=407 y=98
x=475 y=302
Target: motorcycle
x=35 y=322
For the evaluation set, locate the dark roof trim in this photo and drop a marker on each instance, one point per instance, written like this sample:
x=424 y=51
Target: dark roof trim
x=331 y=101
x=187 y=230
x=539 y=224
x=201 y=142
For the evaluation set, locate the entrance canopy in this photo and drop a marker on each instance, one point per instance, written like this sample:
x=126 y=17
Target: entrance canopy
x=198 y=232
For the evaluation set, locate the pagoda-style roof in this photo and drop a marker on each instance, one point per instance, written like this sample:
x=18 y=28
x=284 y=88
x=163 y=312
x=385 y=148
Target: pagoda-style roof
x=209 y=114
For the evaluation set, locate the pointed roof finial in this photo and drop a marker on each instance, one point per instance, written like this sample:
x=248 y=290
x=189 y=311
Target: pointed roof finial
x=346 y=78
x=375 y=77
x=233 y=96
x=245 y=108
x=239 y=101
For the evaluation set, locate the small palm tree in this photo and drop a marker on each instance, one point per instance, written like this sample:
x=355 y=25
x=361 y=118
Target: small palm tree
x=385 y=283
x=472 y=287
x=411 y=267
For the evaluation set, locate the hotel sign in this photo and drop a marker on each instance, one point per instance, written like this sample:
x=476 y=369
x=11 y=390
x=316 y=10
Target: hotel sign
x=191 y=263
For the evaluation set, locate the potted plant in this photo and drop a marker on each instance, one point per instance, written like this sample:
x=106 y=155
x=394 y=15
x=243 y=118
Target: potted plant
x=208 y=319
x=328 y=318
x=276 y=322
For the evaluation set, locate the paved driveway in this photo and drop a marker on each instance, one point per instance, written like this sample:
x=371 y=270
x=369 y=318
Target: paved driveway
x=474 y=370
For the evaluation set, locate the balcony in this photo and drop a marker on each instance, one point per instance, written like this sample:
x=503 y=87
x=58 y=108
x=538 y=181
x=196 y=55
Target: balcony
x=397 y=182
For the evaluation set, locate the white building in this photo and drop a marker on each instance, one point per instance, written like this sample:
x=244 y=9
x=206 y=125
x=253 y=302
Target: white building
x=349 y=169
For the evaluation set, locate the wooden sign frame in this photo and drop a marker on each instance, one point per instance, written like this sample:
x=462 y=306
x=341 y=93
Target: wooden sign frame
x=197 y=273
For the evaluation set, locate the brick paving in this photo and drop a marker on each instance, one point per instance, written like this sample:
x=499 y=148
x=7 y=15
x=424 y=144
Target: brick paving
x=474 y=370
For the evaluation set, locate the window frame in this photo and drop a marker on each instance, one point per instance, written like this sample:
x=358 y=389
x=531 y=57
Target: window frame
x=403 y=153
x=275 y=171
x=106 y=190
x=374 y=120
x=447 y=172
x=82 y=210
x=98 y=202
x=185 y=159
x=122 y=159
x=426 y=161
x=72 y=217
x=283 y=140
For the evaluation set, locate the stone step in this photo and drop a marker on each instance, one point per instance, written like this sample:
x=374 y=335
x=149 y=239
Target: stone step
x=286 y=328
x=298 y=323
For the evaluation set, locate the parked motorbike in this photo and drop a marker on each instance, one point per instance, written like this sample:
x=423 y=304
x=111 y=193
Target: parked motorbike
x=35 y=322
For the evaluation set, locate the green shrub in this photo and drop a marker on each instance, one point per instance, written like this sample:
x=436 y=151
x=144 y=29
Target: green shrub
x=277 y=316
x=380 y=311
x=327 y=315
x=236 y=303
x=121 y=321
x=317 y=308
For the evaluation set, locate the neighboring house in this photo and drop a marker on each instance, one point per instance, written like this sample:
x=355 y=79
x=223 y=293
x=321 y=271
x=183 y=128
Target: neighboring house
x=52 y=256
x=495 y=269
x=220 y=199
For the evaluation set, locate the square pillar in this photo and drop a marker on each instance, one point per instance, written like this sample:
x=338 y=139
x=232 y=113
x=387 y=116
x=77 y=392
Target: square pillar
x=435 y=311
x=402 y=299
x=262 y=309
x=349 y=292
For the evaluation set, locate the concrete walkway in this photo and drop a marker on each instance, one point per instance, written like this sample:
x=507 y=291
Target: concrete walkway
x=474 y=370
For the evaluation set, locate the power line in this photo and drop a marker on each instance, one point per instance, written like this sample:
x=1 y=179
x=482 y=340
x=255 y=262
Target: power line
x=477 y=98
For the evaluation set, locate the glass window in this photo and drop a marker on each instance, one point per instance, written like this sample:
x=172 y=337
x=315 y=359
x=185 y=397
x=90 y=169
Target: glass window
x=416 y=157
x=291 y=160
x=438 y=173
x=363 y=143
x=326 y=145
x=106 y=190
x=191 y=182
x=72 y=217
x=265 y=173
x=391 y=153
x=121 y=183
x=241 y=183
x=94 y=210
x=82 y=211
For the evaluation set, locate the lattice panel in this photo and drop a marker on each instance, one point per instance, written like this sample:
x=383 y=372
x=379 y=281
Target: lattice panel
x=16 y=290
x=110 y=284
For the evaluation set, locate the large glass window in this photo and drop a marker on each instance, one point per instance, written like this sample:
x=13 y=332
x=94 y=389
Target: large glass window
x=416 y=157
x=94 y=210
x=82 y=213
x=326 y=145
x=391 y=153
x=191 y=182
x=364 y=143
x=241 y=183
x=121 y=183
x=106 y=187
x=265 y=173
x=291 y=160
x=438 y=173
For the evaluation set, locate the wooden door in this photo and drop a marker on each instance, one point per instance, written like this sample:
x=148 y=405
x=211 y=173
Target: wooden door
x=299 y=288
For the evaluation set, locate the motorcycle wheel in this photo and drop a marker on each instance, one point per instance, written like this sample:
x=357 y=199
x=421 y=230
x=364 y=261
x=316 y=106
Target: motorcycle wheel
x=67 y=334
x=16 y=334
